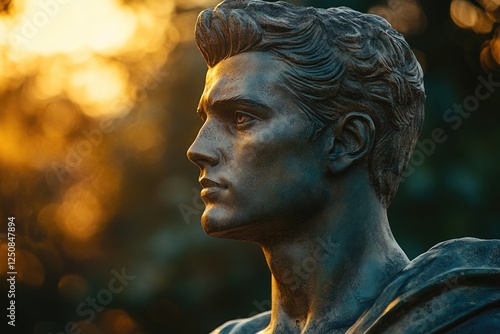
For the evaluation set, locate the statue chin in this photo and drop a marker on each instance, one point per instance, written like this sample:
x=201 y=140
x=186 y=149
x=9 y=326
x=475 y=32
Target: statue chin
x=217 y=223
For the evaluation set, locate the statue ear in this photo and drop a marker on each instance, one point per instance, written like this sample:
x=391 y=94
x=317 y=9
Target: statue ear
x=352 y=140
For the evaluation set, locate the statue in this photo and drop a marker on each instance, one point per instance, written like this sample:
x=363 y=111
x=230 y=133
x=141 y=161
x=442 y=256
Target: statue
x=310 y=117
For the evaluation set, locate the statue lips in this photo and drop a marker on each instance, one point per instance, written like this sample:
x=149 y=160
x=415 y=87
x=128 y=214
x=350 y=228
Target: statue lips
x=211 y=189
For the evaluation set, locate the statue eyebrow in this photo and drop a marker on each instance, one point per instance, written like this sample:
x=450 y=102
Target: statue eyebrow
x=235 y=102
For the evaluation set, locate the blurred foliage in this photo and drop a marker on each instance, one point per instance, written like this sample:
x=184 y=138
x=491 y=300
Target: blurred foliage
x=98 y=101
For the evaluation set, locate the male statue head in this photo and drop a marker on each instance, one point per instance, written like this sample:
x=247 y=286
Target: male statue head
x=310 y=117
x=296 y=98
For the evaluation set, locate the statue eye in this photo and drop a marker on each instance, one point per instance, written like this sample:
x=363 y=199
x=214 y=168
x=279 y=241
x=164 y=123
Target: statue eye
x=241 y=118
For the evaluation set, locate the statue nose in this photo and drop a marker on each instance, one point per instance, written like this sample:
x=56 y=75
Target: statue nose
x=203 y=151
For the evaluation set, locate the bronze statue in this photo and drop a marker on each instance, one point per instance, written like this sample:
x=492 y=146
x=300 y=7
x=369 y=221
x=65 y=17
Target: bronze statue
x=310 y=117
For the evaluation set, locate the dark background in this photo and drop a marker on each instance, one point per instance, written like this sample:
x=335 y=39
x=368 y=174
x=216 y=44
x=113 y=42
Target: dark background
x=129 y=200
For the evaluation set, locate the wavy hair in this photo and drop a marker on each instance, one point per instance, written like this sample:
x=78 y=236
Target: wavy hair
x=340 y=60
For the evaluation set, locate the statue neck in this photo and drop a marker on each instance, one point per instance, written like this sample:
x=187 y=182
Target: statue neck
x=324 y=277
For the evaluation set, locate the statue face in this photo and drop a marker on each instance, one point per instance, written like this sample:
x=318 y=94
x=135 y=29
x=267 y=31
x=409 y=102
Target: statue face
x=260 y=171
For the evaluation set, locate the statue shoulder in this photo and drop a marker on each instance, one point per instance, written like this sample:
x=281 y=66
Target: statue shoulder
x=245 y=326
x=455 y=287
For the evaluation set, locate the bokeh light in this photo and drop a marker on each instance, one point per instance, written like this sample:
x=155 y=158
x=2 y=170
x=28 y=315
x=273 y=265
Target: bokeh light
x=482 y=19
x=73 y=288
x=66 y=66
x=406 y=16
x=118 y=322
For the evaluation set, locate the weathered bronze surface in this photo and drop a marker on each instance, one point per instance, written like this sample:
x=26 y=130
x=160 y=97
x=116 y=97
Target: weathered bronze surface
x=309 y=119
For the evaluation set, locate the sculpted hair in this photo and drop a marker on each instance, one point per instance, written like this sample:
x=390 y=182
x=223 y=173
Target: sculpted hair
x=340 y=60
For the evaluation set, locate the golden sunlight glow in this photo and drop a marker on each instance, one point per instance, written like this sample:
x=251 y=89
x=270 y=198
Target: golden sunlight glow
x=50 y=27
x=490 y=5
x=29 y=268
x=406 y=16
x=464 y=14
x=484 y=24
x=495 y=48
x=486 y=58
x=119 y=322
x=80 y=215
x=73 y=48
x=467 y=16
x=58 y=120
x=11 y=136
x=482 y=19
x=46 y=217
x=144 y=137
x=67 y=66
x=96 y=85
